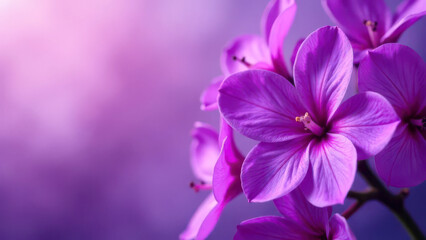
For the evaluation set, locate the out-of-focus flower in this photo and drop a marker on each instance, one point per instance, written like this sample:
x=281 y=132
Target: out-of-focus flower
x=368 y=24
x=398 y=73
x=262 y=52
x=218 y=168
x=307 y=139
x=257 y=52
x=301 y=220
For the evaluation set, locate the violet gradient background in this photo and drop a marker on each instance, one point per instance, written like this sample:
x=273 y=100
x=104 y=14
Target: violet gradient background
x=97 y=98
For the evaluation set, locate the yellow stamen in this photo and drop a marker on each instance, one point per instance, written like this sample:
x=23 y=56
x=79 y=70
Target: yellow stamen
x=309 y=124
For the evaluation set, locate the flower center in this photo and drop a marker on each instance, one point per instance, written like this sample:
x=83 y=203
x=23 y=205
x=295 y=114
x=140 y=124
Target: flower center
x=310 y=124
x=201 y=186
x=372 y=32
x=242 y=60
x=420 y=123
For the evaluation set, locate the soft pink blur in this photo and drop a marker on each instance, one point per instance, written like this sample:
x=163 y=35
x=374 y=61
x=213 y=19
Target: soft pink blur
x=97 y=99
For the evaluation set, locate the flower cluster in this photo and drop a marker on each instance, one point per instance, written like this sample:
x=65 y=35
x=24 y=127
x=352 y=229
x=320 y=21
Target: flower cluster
x=310 y=140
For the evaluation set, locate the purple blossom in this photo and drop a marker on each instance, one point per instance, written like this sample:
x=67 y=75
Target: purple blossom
x=369 y=23
x=307 y=139
x=398 y=73
x=257 y=52
x=301 y=220
x=218 y=167
x=262 y=52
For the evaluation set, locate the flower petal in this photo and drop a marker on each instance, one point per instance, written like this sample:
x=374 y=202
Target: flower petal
x=270 y=228
x=209 y=96
x=261 y=105
x=204 y=151
x=271 y=13
x=398 y=73
x=408 y=6
x=408 y=12
x=295 y=51
x=339 y=229
x=332 y=170
x=368 y=120
x=286 y=10
x=402 y=163
x=210 y=221
x=252 y=48
x=226 y=176
x=226 y=132
x=294 y=206
x=200 y=215
x=272 y=170
x=351 y=14
x=322 y=72
x=359 y=55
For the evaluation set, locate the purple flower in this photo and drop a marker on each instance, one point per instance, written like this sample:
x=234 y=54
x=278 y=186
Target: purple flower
x=369 y=23
x=262 y=52
x=301 y=221
x=256 y=52
x=398 y=73
x=307 y=139
x=218 y=168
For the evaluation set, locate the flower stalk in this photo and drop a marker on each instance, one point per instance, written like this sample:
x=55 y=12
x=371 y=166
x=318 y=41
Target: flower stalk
x=378 y=191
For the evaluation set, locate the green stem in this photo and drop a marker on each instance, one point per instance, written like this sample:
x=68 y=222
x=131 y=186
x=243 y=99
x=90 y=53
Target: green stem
x=380 y=193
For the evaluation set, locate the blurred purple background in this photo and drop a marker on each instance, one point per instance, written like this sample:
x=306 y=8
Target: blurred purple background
x=97 y=98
